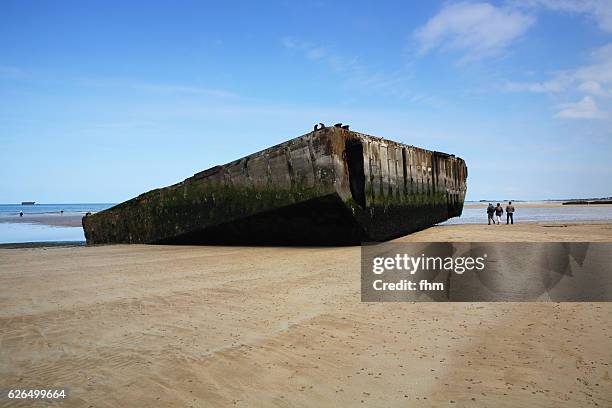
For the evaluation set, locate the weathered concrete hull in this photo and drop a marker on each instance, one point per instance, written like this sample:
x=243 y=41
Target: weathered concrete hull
x=330 y=186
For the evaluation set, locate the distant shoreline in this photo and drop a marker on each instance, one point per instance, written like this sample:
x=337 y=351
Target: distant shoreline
x=588 y=202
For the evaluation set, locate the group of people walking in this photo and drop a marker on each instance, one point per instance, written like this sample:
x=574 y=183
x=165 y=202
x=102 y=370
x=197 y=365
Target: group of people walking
x=498 y=211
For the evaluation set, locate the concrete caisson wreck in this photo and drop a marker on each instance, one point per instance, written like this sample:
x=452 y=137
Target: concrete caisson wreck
x=330 y=186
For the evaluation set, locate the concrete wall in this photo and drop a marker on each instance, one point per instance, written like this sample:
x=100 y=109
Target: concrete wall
x=408 y=188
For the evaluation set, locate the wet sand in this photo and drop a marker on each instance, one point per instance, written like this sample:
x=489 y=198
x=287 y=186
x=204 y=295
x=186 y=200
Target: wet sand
x=55 y=220
x=228 y=326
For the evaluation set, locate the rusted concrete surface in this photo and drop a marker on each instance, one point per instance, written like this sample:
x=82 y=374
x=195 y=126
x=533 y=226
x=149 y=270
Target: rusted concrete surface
x=329 y=186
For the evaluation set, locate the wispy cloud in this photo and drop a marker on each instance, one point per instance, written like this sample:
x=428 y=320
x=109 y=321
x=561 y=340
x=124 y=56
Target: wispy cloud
x=159 y=88
x=396 y=83
x=181 y=89
x=594 y=78
x=475 y=29
x=559 y=83
x=594 y=88
x=11 y=72
x=598 y=10
x=317 y=52
x=583 y=109
x=600 y=71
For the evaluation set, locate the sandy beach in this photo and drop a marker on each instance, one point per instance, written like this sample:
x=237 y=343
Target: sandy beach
x=233 y=326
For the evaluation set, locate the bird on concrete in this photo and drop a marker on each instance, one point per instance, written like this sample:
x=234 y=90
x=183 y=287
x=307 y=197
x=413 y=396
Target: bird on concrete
x=345 y=127
x=338 y=125
x=319 y=126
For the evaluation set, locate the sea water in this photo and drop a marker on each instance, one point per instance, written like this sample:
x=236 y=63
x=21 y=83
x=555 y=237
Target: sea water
x=18 y=233
x=25 y=232
x=13 y=209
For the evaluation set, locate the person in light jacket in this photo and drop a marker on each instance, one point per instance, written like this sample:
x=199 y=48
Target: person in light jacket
x=499 y=211
x=509 y=213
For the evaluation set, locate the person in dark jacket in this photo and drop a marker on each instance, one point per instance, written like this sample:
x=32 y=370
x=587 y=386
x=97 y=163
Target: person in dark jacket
x=499 y=211
x=490 y=212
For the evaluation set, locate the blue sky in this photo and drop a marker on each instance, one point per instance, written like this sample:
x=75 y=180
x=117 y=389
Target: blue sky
x=101 y=101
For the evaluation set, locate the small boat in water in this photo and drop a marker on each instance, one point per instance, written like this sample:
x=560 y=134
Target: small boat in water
x=28 y=202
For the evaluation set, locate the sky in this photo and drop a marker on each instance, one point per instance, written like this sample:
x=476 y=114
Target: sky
x=101 y=101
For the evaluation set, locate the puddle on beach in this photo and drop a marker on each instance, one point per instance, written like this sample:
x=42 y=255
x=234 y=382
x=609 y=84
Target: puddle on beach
x=23 y=232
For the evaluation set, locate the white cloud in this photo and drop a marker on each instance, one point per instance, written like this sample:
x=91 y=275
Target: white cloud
x=477 y=29
x=583 y=109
